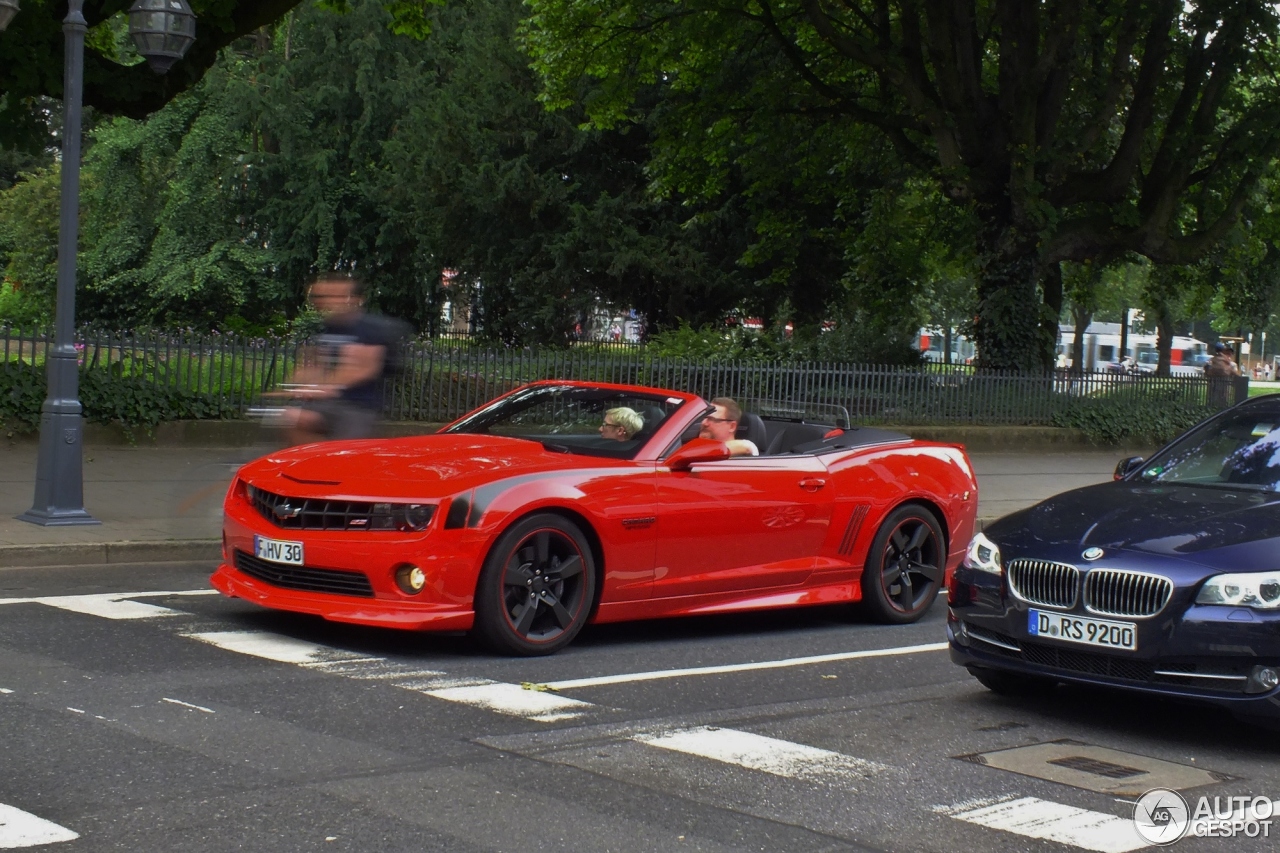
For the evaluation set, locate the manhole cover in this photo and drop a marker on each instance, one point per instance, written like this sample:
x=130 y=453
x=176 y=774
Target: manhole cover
x=1096 y=768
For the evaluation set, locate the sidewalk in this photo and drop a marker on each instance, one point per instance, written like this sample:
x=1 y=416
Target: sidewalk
x=165 y=503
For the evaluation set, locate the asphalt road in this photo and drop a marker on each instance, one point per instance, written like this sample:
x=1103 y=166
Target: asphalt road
x=154 y=716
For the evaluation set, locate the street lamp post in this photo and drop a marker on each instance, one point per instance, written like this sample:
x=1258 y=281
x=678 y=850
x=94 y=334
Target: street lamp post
x=59 y=498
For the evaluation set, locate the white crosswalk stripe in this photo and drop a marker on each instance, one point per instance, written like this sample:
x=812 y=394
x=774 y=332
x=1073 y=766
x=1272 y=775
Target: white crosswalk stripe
x=757 y=752
x=840 y=779
x=23 y=829
x=511 y=699
x=1049 y=821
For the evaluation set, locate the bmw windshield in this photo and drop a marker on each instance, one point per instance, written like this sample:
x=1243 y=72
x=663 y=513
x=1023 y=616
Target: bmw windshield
x=572 y=419
x=1239 y=449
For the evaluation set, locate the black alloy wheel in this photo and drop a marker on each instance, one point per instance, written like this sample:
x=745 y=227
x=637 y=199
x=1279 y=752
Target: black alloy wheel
x=904 y=566
x=536 y=588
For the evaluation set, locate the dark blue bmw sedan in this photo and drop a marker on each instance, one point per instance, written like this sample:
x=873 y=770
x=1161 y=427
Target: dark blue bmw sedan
x=1166 y=580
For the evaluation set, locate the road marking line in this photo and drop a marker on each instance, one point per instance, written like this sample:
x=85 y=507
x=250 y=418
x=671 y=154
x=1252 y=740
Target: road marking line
x=187 y=705
x=757 y=752
x=263 y=644
x=627 y=678
x=515 y=701
x=155 y=593
x=1050 y=821
x=5 y=690
x=510 y=699
x=107 y=606
x=23 y=829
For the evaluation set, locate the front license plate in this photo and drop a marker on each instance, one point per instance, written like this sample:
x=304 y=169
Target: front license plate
x=277 y=550
x=1078 y=629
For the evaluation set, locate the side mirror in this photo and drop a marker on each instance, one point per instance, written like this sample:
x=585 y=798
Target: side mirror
x=695 y=451
x=1127 y=466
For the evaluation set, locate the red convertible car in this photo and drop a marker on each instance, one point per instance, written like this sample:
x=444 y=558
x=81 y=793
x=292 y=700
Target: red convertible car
x=524 y=521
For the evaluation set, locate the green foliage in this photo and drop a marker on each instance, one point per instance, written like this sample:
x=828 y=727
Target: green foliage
x=1150 y=422
x=1032 y=118
x=731 y=343
x=107 y=395
x=18 y=309
x=29 y=245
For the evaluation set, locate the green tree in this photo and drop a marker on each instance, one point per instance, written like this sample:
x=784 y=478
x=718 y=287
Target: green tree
x=1071 y=130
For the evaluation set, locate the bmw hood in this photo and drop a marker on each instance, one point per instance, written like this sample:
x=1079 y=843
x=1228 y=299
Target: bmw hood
x=425 y=467
x=1215 y=527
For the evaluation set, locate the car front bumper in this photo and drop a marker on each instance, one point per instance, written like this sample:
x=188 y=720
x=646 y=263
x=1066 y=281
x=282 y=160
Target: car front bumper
x=1203 y=653
x=349 y=576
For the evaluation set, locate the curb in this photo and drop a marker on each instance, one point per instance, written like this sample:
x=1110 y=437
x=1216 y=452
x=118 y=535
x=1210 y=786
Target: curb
x=109 y=553
x=233 y=433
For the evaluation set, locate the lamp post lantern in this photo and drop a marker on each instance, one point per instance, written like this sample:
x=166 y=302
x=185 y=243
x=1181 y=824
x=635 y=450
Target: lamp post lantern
x=8 y=8
x=59 y=498
x=162 y=31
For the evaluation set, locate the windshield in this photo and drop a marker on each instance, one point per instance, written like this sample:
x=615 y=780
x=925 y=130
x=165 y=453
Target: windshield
x=572 y=419
x=1238 y=450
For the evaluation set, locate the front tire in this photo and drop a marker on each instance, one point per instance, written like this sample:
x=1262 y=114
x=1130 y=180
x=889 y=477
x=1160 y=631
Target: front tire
x=536 y=587
x=904 y=566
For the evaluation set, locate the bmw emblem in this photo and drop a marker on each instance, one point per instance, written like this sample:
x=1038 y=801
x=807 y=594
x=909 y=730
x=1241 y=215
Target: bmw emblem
x=1092 y=554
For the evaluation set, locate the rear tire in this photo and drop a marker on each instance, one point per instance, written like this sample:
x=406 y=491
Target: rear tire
x=904 y=566
x=536 y=588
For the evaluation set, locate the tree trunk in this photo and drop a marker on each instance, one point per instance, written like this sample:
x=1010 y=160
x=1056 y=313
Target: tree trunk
x=1124 y=332
x=1164 y=344
x=1011 y=328
x=946 y=342
x=1082 y=319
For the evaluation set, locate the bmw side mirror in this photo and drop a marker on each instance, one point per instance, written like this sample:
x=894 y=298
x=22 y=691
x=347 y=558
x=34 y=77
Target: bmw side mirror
x=1128 y=466
x=695 y=451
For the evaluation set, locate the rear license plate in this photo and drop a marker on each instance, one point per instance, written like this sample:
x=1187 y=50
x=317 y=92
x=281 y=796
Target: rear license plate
x=277 y=550
x=1078 y=629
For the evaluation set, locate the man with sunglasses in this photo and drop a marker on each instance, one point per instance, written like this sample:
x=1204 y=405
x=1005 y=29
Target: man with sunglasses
x=722 y=424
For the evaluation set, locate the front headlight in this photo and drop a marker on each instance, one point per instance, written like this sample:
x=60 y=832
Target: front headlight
x=403 y=517
x=983 y=555
x=1261 y=590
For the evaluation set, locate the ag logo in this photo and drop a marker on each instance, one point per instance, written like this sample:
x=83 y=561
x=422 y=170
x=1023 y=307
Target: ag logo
x=1161 y=816
x=1092 y=554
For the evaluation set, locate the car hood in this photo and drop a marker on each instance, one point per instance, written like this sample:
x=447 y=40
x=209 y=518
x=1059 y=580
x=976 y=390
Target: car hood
x=421 y=467
x=1215 y=527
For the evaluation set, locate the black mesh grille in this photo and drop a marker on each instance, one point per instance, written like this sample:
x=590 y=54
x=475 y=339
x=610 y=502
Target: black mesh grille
x=311 y=513
x=303 y=578
x=1090 y=663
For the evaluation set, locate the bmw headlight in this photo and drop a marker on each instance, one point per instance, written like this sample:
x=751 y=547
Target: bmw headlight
x=983 y=555
x=1260 y=590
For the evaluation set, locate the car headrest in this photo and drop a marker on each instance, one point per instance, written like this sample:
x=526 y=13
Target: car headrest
x=752 y=429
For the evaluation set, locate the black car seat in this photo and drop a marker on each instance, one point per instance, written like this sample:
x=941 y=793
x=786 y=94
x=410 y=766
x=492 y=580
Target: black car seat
x=653 y=416
x=751 y=427
x=793 y=435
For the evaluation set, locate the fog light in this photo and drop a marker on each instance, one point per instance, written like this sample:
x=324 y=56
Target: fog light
x=1262 y=679
x=410 y=579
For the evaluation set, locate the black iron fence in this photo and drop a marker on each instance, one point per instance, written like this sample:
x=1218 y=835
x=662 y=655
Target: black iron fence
x=442 y=380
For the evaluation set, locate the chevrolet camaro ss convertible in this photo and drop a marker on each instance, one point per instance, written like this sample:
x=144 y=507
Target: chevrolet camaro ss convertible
x=523 y=521
x=1164 y=581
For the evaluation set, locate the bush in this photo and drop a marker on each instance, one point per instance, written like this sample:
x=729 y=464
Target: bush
x=731 y=343
x=108 y=396
x=1149 y=422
